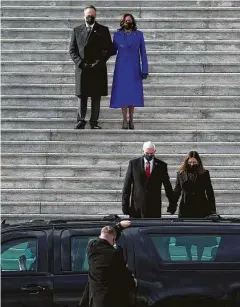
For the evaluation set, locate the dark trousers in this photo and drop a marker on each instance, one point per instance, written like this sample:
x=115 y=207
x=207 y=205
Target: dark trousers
x=95 y=109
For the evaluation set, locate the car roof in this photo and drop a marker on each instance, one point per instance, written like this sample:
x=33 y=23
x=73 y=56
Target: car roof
x=98 y=221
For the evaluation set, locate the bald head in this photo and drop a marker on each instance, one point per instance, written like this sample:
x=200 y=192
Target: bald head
x=109 y=234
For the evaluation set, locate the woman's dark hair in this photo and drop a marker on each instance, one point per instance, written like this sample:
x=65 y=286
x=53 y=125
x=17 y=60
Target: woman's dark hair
x=192 y=154
x=134 y=27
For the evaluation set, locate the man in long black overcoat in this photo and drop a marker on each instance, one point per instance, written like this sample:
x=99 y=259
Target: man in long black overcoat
x=90 y=48
x=141 y=196
x=110 y=282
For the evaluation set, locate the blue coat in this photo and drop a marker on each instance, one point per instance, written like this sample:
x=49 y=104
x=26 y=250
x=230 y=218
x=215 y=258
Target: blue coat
x=127 y=87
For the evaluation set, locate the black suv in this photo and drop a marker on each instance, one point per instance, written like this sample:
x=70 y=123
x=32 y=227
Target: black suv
x=177 y=262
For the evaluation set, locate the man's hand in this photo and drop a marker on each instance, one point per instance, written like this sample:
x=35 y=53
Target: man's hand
x=125 y=224
x=135 y=280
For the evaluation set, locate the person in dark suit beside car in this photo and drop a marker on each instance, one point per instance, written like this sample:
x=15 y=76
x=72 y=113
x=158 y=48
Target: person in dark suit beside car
x=194 y=186
x=110 y=282
x=90 y=48
x=141 y=196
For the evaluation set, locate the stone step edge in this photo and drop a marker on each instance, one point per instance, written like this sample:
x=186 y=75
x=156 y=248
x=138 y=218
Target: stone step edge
x=9 y=107
x=123 y=132
x=119 y=8
x=152 y=74
x=137 y=120
x=34 y=154
x=111 y=30
x=157 y=85
x=146 y=97
x=101 y=167
x=225 y=41
x=91 y=191
x=150 y=52
x=70 y=63
x=122 y=143
x=139 y=19
x=78 y=203
x=76 y=178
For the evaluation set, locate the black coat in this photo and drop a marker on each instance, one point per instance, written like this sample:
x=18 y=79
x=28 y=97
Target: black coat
x=91 y=81
x=197 y=196
x=141 y=195
x=110 y=282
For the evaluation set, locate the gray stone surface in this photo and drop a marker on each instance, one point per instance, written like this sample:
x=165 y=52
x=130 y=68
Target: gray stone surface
x=191 y=102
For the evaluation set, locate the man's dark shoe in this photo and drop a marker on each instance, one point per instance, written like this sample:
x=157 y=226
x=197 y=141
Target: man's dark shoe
x=81 y=125
x=95 y=127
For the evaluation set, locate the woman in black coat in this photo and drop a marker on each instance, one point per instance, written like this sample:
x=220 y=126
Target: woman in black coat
x=194 y=186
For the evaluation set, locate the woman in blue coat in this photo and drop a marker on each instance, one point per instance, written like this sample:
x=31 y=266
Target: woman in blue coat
x=127 y=87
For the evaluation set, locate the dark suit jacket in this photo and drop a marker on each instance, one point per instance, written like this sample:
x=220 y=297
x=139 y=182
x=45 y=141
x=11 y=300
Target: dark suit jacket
x=141 y=195
x=88 y=49
x=197 y=198
x=109 y=281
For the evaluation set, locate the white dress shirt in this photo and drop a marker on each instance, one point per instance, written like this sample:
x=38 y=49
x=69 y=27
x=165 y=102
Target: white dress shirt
x=151 y=164
x=90 y=26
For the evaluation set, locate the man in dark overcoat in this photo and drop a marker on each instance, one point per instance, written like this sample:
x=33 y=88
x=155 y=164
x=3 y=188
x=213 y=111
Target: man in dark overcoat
x=90 y=48
x=141 y=197
x=110 y=282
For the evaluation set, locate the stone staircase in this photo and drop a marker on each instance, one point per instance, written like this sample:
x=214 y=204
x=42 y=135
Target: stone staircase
x=50 y=170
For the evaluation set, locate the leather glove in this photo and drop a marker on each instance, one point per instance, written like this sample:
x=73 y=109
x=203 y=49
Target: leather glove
x=83 y=65
x=144 y=76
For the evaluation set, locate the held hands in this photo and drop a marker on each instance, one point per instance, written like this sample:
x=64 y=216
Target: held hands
x=125 y=224
x=144 y=76
x=84 y=65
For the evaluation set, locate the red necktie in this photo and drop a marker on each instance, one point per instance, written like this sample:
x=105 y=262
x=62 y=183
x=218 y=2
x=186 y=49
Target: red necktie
x=148 y=173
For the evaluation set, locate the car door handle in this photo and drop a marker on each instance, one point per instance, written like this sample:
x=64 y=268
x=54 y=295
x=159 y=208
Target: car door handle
x=33 y=288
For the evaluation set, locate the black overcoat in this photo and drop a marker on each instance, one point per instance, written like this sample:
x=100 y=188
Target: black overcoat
x=197 y=196
x=110 y=282
x=98 y=46
x=141 y=196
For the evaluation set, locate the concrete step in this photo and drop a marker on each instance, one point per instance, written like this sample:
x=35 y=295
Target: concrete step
x=121 y=135
x=74 y=183
x=116 y=12
x=76 y=209
x=99 y=171
x=153 y=78
x=113 y=23
x=189 y=57
x=149 y=89
x=91 y=195
x=150 y=101
x=106 y=160
x=149 y=34
x=140 y=124
x=124 y=3
x=68 y=67
x=171 y=45
x=105 y=147
x=141 y=113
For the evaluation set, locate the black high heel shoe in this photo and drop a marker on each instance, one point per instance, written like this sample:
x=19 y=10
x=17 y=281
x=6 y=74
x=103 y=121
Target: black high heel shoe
x=131 y=125
x=125 y=125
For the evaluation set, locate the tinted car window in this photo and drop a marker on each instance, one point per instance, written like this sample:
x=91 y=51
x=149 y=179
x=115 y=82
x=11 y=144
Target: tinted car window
x=19 y=255
x=79 y=261
x=204 y=248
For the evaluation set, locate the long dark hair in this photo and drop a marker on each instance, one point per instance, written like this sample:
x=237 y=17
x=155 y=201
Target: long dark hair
x=192 y=154
x=134 y=27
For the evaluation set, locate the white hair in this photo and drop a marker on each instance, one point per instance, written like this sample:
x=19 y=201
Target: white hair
x=148 y=144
